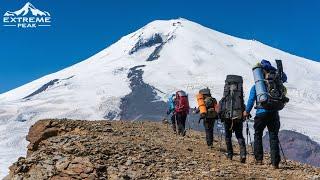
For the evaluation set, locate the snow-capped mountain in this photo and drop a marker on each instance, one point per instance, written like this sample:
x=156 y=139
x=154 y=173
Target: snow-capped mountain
x=26 y=10
x=132 y=78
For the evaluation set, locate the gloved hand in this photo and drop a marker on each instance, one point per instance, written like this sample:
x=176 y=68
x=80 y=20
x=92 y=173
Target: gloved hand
x=246 y=115
x=196 y=110
x=202 y=115
x=168 y=112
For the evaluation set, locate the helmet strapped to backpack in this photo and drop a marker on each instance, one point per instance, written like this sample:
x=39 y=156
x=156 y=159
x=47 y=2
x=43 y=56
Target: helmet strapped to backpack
x=232 y=103
x=205 y=92
x=182 y=102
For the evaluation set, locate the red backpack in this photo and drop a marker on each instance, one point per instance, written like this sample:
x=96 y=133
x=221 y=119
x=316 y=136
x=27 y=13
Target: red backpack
x=181 y=102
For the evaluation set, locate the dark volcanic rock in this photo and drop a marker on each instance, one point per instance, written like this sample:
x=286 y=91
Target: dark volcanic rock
x=142 y=102
x=154 y=41
x=144 y=43
x=42 y=88
x=46 y=86
x=297 y=146
x=156 y=53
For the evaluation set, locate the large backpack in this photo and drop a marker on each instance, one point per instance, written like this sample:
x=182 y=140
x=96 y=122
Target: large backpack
x=171 y=103
x=275 y=88
x=209 y=103
x=232 y=103
x=181 y=102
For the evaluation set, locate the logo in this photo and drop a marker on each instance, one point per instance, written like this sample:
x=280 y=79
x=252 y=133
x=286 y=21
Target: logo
x=27 y=17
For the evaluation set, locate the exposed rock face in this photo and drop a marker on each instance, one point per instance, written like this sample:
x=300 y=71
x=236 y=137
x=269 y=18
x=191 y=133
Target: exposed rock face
x=156 y=39
x=42 y=88
x=143 y=102
x=67 y=149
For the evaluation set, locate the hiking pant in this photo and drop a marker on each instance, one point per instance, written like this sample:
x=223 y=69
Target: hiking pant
x=272 y=122
x=208 y=124
x=181 y=122
x=237 y=128
x=173 y=122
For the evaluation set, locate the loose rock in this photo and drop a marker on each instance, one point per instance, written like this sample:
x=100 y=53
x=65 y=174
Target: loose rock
x=68 y=149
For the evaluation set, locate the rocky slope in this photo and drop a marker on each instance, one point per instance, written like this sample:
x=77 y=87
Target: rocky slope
x=67 y=149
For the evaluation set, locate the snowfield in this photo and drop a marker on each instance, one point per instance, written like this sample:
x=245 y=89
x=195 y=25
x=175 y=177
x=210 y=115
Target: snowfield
x=177 y=54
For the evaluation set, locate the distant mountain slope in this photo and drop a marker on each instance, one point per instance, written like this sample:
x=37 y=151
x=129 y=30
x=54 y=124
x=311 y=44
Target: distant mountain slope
x=297 y=147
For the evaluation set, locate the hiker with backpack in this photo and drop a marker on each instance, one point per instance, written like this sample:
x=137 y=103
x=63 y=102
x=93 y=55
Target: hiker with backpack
x=180 y=112
x=231 y=113
x=208 y=108
x=269 y=94
x=170 y=110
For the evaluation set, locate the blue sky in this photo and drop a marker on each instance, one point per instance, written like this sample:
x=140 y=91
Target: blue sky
x=84 y=27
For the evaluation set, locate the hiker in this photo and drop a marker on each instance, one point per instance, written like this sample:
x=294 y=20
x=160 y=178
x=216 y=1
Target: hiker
x=231 y=113
x=208 y=108
x=180 y=108
x=170 y=110
x=269 y=95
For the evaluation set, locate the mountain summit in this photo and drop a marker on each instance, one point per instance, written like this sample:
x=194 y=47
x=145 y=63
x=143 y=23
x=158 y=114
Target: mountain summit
x=132 y=79
x=26 y=10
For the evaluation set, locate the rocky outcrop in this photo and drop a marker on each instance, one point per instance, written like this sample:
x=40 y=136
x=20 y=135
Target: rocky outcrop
x=67 y=149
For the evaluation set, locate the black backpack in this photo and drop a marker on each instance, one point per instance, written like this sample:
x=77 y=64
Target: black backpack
x=275 y=88
x=232 y=103
x=210 y=103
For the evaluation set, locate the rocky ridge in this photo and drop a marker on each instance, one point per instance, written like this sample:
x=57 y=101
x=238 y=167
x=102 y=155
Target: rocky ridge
x=69 y=149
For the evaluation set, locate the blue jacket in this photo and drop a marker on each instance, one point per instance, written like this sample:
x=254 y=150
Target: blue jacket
x=252 y=99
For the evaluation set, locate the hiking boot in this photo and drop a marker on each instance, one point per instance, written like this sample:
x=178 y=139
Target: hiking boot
x=183 y=133
x=229 y=157
x=275 y=166
x=258 y=162
x=178 y=132
x=165 y=121
x=210 y=147
x=243 y=159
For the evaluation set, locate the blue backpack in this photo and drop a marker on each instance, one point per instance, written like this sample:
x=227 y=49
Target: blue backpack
x=171 y=103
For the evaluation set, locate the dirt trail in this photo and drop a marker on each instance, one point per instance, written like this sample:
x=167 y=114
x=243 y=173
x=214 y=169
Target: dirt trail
x=67 y=149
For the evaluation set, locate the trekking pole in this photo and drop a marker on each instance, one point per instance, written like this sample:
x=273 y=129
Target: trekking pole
x=248 y=133
x=167 y=121
x=249 y=139
x=220 y=134
x=176 y=122
x=189 y=126
x=284 y=156
x=185 y=129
